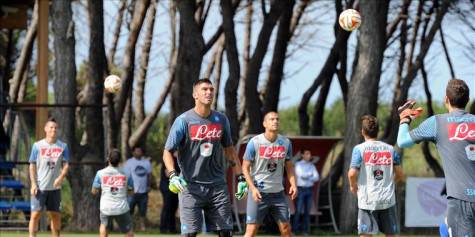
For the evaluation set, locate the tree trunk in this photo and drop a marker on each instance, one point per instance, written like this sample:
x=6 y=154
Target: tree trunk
x=363 y=93
x=242 y=116
x=232 y=83
x=253 y=102
x=190 y=57
x=139 y=102
x=217 y=78
x=128 y=62
x=274 y=80
x=85 y=205
x=117 y=28
x=319 y=111
x=125 y=126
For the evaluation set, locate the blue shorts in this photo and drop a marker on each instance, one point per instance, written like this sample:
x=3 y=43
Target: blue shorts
x=51 y=200
x=375 y=221
x=140 y=200
x=124 y=221
x=461 y=217
x=275 y=203
x=212 y=200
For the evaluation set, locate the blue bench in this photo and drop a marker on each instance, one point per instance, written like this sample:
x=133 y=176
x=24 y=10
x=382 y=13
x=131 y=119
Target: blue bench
x=21 y=205
x=10 y=183
x=5 y=206
x=7 y=165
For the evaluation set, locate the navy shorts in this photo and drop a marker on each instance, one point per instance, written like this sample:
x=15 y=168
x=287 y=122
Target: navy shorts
x=124 y=221
x=140 y=200
x=375 y=221
x=461 y=217
x=275 y=203
x=51 y=200
x=212 y=200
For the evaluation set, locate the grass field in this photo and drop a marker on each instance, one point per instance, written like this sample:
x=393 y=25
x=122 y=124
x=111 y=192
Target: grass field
x=22 y=234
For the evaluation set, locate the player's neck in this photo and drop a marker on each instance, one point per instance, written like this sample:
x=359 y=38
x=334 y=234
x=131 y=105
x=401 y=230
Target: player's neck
x=203 y=110
x=50 y=140
x=369 y=139
x=271 y=135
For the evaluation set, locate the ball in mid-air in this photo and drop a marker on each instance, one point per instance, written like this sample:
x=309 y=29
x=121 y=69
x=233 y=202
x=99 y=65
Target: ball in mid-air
x=350 y=19
x=112 y=84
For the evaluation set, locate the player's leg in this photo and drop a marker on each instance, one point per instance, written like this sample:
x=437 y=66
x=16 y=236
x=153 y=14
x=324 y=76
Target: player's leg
x=460 y=217
x=104 y=220
x=53 y=205
x=367 y=225
x=306 y=211
x=218 y=213
x=37 y=204
x=132 y=202
x=387 y=220
x=124 y=221
x=142 y=204
x=192 y=200
x=279 y=210
x=255 y=213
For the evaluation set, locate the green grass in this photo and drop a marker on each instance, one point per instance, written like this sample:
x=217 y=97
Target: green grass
x=22 y=234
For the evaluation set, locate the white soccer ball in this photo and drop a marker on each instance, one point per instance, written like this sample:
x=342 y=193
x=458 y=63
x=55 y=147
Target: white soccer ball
x=350 y=19
x=112 y=84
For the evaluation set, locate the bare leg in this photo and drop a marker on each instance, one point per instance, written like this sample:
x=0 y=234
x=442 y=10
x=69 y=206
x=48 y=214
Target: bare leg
x=251 y=230
x=33 y=226
x=55 y=218
x=129 y=234
x=102 y=231
x=285 y=230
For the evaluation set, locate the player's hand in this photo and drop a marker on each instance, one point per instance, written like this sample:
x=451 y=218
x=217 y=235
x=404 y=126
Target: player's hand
x=407 y=113
x=256 y=195
x=57 y=182
x=177 y=184
x=293 y=191
x=242 y=188
x=354 y=189
x=33 y=190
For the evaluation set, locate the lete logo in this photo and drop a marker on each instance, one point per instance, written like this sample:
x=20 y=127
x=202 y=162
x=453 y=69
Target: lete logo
x=272 y=152
x=461 y=131
x=377 y=158
x=116 y=181
x=208 y=132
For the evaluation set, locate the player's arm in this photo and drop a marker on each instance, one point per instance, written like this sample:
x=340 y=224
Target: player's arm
x=64 y=171
x=247 y=160
x=32 y=169
x=168 y=161
x=233 y=160
x=175 y=137
x=398 y=173
x=354 y=171
x=289 y=167
x=96 y=185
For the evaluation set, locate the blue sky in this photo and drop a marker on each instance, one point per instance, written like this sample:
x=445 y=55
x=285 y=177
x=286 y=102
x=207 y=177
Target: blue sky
x=308 y=52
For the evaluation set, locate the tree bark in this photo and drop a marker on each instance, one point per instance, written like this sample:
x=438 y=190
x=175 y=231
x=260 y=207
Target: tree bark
x=232 y=55
x=128 y=63
x=139 y=102
x=319 y=110
x=363 y=93
x=253 y=102
x=117 y=28
x=242 y=116
x=190 y=57
x=274 y=80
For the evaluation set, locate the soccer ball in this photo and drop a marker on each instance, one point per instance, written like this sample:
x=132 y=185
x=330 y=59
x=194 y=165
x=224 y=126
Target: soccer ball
x=112 y=84
x=350 y=19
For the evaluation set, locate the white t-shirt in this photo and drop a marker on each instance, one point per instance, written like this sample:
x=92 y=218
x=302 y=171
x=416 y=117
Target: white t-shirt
x=139 y=170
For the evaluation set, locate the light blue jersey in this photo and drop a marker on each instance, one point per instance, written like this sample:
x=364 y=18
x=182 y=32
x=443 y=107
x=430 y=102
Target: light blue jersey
x=114 y=184
x=49 y=160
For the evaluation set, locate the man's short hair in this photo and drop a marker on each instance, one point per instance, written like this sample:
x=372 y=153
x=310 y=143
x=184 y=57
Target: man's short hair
x=51 y=119
x=114 y=157
x=458 y=93
x=370 y=126
x=201 y=81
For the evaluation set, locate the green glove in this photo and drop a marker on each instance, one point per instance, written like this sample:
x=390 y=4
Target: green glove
x=177 y=184
x=242 y=188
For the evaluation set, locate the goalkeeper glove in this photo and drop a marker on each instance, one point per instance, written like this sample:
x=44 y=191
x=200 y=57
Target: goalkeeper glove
x=242 y=188
x=407 y=113
x=176 y=184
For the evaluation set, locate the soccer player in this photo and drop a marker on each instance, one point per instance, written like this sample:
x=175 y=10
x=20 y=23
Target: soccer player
x=200 y=135
x=48 y=167
x=113 y=184
x=374 y=166
x=139 y=168
x=263 y=167
x=454 y=136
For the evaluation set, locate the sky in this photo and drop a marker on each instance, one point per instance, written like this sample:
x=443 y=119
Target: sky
x=308 y=51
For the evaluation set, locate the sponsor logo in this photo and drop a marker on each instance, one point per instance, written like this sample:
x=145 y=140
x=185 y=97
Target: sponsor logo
x=272 y=167
x=461 y=131
x=51 y=153
x=116 y=181
x=272 y=152
x=378 y=174
x=377 y=158
x=470 y=191
x=208 y=132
